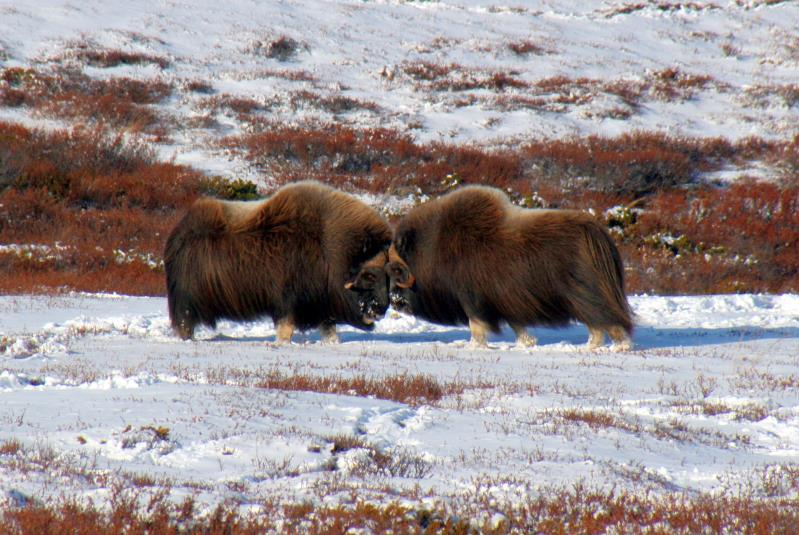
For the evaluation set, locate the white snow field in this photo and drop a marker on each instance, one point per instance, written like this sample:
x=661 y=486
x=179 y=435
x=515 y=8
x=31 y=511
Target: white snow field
x=96 y=389
x=737 y=63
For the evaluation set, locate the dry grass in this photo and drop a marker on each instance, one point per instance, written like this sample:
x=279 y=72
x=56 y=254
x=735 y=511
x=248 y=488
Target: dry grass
x=406 y=388
x=97 y=208
x=251 y=111
x=527 y=47
x=741 y=238
x=577 y=510
x=114 y=58
x=677 y=235
x=597 y=419
x=432 y=77
x=751 y=379
x=458 y=85
x=122 y=102
x=373 y=159
x=335 y=104
x=626 y=9
x=396 y=462
x=750 y=412
x=11 y=446
x=69 y=94
x=281 y=48
x=413 y=389
x=577 y=421
x=240 y=107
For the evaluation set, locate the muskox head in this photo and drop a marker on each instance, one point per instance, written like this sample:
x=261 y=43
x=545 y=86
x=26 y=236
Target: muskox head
x=367 y=290
x=401 y=282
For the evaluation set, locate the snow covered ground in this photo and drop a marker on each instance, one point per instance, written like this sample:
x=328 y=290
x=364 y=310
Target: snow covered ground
x=96 y=390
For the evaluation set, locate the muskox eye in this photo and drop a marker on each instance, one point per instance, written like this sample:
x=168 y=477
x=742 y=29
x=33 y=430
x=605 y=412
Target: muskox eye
x=395 y=270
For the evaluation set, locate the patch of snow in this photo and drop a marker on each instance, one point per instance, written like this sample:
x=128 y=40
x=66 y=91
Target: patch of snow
x=708 y=398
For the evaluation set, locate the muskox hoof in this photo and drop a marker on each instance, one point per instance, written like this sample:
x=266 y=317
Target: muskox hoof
x=184 y=330
x=285 y=329
x=596 y=338
x=623 y=346
x=621 y=340
x=331 y=339
x=479 y=330
x=477 y=343
x=526 y=340
x=523 y=338
x=328 y=333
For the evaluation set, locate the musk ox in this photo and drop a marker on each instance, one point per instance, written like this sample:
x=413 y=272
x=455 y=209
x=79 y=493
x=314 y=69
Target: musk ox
x=472 y=257
x=308 y=256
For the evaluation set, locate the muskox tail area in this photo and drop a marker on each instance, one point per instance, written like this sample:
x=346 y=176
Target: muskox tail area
x=185 y=249
x=604 y=301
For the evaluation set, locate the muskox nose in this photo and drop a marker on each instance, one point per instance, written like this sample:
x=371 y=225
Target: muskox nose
x=399 y=301
x=371 y=307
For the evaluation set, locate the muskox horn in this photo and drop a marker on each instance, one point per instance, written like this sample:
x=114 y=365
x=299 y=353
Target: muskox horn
x=398 y=270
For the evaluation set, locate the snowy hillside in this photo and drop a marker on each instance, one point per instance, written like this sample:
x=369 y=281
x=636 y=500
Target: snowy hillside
x=455 y=70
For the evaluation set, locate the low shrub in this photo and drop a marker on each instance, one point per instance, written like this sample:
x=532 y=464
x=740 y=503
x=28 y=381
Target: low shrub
x=527 y=47
x=454 y=77
x=114 y=58
x=282 y=48
x=235 y=190
x=95 y=209
x=380 y=160
x=70 y=94
x=634 y=164
x=406 y=388
x=682 y=236
x=549 y=511
x=740 y=238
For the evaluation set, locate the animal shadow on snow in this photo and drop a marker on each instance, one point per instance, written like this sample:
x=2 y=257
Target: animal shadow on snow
x=644 y=337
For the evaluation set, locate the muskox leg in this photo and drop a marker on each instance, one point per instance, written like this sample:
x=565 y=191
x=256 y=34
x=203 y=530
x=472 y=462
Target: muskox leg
x=328 y=332
x=621 y=340
x=479 y=330
x=285 y=328
x=523 y=338
x=596 y=337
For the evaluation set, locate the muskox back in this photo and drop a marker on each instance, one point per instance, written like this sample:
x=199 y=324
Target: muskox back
x=288 y=257
x=476 y=258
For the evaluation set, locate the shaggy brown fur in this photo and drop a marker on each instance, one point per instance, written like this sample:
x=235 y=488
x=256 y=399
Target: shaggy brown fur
x=308 y=256
x=471 y=256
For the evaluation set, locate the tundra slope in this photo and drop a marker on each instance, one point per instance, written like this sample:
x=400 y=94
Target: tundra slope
x=734 y=66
